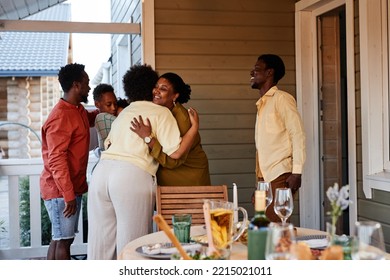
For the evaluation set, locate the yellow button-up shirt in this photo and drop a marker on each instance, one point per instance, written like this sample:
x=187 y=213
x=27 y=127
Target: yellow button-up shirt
x=279 y=135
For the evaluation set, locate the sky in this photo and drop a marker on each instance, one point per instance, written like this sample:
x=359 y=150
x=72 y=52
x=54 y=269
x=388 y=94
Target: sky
x=91 y=49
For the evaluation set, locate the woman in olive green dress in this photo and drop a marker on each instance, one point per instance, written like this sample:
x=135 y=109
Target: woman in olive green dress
x=192 y=169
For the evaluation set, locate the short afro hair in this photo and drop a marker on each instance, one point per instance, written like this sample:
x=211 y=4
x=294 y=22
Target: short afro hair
x=100 y=89
x=272 y=61
x=69 y=74
x=122 y=103
x=139 y=82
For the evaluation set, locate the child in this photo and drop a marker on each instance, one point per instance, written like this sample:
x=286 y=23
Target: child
x=122 y=104
x=106 y=102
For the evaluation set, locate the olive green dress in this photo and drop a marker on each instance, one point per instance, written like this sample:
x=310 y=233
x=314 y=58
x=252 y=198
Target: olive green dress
x=192 y=169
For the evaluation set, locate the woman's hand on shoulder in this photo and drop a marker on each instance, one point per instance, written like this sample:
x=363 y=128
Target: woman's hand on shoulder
x=194 y=117
x=140 y=128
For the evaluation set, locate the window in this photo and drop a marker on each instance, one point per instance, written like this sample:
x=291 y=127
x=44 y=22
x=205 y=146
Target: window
x=123 y=61
x=374 y=42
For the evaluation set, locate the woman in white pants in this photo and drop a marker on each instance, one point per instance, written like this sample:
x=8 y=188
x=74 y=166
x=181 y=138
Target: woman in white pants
x=122 y=189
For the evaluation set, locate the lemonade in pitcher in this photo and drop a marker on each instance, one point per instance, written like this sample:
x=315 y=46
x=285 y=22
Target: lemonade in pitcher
x=221 y=226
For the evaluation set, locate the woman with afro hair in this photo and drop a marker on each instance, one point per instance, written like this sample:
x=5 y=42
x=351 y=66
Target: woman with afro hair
x=192 y=169
x=121 y=194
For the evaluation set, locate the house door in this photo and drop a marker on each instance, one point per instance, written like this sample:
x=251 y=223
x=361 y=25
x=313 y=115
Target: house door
x=332 y=108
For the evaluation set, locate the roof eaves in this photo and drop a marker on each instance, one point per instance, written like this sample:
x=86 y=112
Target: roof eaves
x=28 y=73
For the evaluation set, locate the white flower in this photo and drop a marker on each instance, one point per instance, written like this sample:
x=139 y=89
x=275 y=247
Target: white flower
x=339 y=200
x=343 y=199
x=333 y=192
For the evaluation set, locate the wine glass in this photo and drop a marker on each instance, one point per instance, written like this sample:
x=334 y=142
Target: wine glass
x=368 y=241
x=266 y=186
x=279 y=243
x=284 y=203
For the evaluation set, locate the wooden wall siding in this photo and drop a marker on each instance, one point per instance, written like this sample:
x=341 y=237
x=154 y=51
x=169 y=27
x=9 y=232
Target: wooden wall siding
x=17 y=93
x=35 y=115
x=50 y=94
x=3 y=99
x=213 y=45
x=125 y=11
x=3 y=113
x=46 y=101
x=331 y=105
x=377 y=208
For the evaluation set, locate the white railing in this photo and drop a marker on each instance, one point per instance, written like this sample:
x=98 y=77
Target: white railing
x=10 y=172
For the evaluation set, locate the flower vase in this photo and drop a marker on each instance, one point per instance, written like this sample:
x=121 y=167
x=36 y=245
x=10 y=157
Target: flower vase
x=331 y=232
x=342 y=240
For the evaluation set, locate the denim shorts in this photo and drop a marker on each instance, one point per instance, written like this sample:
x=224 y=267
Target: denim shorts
x=61 y=227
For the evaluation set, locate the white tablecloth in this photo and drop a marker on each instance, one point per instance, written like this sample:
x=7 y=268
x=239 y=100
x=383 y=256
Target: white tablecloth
x=239 y=250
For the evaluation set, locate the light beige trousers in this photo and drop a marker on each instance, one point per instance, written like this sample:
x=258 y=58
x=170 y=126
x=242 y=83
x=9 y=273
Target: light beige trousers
x=121 y=198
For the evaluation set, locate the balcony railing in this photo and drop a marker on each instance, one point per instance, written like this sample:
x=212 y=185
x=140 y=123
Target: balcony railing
x=11 y=170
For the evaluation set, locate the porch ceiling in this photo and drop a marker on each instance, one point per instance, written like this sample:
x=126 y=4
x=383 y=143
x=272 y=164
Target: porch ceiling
x=19 y=9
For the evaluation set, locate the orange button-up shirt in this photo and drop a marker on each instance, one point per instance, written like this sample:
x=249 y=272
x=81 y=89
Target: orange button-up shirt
x=279 y=135
x=65 y=150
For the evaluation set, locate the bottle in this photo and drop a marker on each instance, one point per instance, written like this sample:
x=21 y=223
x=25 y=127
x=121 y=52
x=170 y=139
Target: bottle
x=257 y=229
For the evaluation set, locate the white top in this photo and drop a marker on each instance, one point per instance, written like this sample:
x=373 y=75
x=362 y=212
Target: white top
x=124 y=144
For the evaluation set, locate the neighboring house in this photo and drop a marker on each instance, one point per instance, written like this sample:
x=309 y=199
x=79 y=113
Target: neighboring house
x=337 y=59
x=29 y=64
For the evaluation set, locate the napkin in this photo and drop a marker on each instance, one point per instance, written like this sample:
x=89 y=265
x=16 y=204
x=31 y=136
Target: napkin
x=316 y=243
x=152 y=249
x=168 y=248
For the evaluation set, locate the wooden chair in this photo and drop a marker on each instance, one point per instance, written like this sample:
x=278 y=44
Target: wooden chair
x=187 y=199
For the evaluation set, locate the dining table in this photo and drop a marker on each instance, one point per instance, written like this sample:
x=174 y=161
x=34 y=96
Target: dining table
x=239 y=250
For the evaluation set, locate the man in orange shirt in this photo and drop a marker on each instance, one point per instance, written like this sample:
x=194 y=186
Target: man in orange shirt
x=279 y=134
x=65 y=150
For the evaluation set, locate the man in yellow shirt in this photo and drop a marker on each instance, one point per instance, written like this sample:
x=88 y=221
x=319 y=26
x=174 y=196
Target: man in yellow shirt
x=279 y=134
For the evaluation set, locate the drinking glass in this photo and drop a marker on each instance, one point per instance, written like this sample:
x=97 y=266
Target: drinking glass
x=266 y=186
x=284 y=203
x=182 y=226
x=368 y=241
x=280 y=238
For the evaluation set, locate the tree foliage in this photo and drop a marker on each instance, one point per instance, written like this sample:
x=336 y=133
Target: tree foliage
x=24 y=208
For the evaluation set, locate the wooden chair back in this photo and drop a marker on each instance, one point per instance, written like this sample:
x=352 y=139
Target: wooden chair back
x=187 y=199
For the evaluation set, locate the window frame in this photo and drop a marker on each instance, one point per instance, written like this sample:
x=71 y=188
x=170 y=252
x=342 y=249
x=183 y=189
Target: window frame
x=374 y=42
x=386 y=99
x=307 y=101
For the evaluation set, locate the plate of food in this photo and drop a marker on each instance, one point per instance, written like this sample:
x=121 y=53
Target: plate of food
x=204 y=254
x=202 y=239
x=164 y=251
